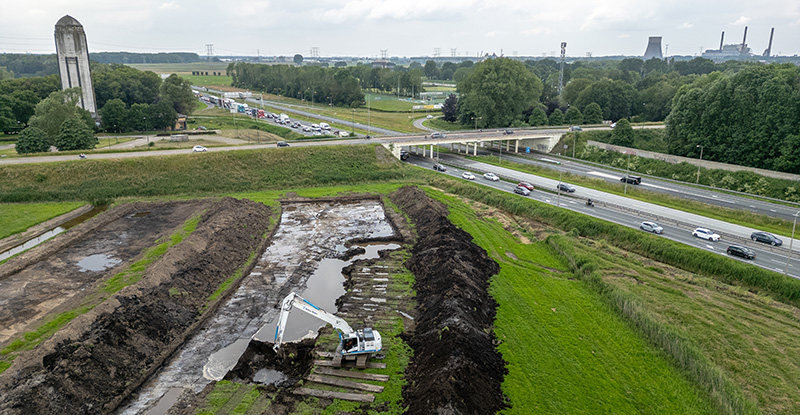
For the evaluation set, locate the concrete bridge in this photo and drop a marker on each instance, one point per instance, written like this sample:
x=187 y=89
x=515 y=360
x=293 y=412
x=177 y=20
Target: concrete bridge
x=468 y=142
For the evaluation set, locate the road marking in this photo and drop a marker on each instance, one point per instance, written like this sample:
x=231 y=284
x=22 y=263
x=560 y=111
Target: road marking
x=601 y=174
x=778 y=269
x=752 y=206
x=714 y=196
x=780 y=262
x=773 y=210
x=709 y=247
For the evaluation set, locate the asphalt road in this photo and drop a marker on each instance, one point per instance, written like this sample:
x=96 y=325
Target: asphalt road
x=677 y=225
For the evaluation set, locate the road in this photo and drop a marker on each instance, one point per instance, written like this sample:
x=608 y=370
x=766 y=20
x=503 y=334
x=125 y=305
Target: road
x=678 y=225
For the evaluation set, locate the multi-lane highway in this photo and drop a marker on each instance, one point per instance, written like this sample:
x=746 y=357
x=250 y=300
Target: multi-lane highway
x=677 y=225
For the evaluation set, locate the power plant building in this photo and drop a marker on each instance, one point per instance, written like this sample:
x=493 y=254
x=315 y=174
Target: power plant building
x=653 y=48
x=73 y=61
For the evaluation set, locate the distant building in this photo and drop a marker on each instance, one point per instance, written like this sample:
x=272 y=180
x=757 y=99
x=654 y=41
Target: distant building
x=73 y=61
x=653 y=48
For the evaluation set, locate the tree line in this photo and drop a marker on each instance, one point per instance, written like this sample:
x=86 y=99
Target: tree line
x=26 y=65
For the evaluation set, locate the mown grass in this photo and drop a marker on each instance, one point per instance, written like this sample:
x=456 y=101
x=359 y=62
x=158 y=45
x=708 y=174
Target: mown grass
x=128 y=276
x=566 y=351
x=170 y=68
x=440 y=124
x=208 y=80
x=16 y=217
x=242 y=122
x=737 y=216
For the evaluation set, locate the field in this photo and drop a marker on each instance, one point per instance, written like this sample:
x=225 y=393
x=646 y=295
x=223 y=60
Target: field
x=181 y=68
x=591 y=317
x=16 y=218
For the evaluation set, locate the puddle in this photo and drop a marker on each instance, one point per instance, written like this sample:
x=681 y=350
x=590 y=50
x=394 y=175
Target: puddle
x=97 y=262
x=30 y=244
x=51 y=233
x=166 y=402
x=269 y=377
x=224 y=360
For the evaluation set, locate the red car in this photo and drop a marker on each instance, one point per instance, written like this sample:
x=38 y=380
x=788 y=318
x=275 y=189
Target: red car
x=525 y=185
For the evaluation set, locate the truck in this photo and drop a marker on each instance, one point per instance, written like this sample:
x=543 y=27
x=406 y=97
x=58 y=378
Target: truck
x=242 y=108
x=324 y=126
x=283 y=118
x=353 y=344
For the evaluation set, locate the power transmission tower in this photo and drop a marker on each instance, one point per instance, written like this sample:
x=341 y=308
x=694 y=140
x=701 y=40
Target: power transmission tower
x=453 y=52
x=561 y=71
x=437 y=52
x=384 y=53
x=209 y=50
x=315 y=52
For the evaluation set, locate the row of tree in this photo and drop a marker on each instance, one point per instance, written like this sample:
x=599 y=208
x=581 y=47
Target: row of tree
x=27 y=65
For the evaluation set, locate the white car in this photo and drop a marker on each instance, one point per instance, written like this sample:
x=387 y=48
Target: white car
x=706 y=234
x=467 y=175
x=651 y=227
x=491 y=176
x=198 y=149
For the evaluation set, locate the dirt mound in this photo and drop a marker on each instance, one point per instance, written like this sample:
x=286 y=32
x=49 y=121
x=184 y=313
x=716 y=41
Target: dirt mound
x=456 y=368
x=294 y=361
x=102 y=356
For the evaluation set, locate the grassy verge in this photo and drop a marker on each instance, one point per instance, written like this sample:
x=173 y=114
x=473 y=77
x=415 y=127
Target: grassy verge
x=130 y=275
x=440 y=124
x=566 y=351
x=16 y=218
x=241 y=122
x=739 y=217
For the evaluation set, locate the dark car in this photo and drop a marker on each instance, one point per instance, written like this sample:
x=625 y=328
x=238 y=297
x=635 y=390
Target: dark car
x=403 y=155
x=766 y=238
x=631 y=179
x=522 y=191
x=565 y=187
x=283 y=144
x=741 y=251
x=439 y=167
x=508 y=132
x=525 y=185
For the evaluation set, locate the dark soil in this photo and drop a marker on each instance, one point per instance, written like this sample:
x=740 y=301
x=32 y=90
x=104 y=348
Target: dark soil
x=456 y=368
x=293 y=360
x=92 y=364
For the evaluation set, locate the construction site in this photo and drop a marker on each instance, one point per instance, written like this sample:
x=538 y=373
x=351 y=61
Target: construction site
x=207 y=312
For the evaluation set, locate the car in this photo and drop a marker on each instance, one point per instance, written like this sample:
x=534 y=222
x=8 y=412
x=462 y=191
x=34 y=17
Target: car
x=437 y=135
x=283 y=144
x=403 y=155
x=439 y=167
x=651 y=227
x=525 y=185
x=706 y=234
x=613 y=124
x=508 y=132
x=429 y=116
x=631 y=179
x=522 y=191
x=765 y=237
x=201 y=128
x=199 y=149
x=564 y=187
x=491 y=176
x=741 y=251
x=575 y=128
x=306 y=128
x=467 y=175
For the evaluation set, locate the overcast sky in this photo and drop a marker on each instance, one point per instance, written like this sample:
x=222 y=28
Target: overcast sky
x=404 y=27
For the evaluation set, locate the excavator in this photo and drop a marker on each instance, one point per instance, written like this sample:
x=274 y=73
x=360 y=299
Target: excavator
x=353 y=343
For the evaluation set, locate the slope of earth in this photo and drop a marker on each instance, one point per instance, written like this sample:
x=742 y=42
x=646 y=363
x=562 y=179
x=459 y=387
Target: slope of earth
x=103 y=355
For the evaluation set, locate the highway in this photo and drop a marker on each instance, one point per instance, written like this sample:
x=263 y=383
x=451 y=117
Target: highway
x=677 y=225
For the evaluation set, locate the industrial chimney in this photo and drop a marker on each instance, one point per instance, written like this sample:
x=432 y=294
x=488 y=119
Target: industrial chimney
x=768 y=52
x=721 y=39
x=744 y=41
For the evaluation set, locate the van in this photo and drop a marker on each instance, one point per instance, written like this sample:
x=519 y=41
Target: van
x=324 y=126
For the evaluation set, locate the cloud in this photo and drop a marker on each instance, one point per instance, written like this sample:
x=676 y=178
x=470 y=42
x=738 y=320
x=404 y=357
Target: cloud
x=686 y=25
x=624 y=36
x=539 y=30
x=169 y=6
x=740 y=21
x=492 y=34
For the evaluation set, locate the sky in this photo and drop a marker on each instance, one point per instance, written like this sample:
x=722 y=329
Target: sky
x=405 y=28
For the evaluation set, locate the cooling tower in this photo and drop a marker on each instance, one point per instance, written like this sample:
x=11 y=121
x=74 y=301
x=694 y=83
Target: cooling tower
x=653 y=48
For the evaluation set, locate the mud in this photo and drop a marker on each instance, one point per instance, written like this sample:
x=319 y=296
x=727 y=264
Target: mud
x=456 y=368
x=103 y=355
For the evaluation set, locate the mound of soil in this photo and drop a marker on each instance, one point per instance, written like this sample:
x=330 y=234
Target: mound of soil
x=294 y=361
x=456 y=368
x=92 y=364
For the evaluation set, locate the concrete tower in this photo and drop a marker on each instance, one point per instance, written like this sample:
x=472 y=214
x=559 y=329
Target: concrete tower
x=653 y=48
x=73 y=61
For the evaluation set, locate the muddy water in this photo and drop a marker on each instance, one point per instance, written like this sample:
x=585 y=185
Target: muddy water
x=301 y=258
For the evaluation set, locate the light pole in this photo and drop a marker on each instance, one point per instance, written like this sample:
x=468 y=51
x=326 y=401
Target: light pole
x=698 y=166
x=353 y=133
x=789 y=254
x=476 y=121
x=574 y=139
x=369 y=120
x=627 y=170
x=558 y=197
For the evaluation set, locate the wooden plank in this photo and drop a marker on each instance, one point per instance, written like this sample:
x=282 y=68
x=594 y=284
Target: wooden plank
x=349 y=384
x=329 y=363
x=324 y=354
x=351 y=374
x=361 y=361
x=357 y=397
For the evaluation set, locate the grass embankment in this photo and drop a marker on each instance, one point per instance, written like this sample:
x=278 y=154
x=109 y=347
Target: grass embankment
x=224 y=172
x=739 y=217
x=214 y=81
x=217 y=119
x=16 y=218
x=567 y=352
x=130 y=275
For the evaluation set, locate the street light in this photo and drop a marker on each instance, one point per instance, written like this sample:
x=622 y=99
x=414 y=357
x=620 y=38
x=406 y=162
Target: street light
x=354 y=123
x=476 y=121
x=627 y=170
x=369 y=120
x=698 y=166
x=789 y=254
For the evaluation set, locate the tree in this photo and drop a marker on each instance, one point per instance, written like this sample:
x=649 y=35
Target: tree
x=496 y=92
x=32 y=140
x=538 y=117
x=622 y=134
x=114 y=115
x=60 y=106
x=7 y=120
x=24 y=105
x=75 y=135
x=449 y=108
x=298 y=59
x=616 y=98
x=177 y=92
x=592 y=114
x=431 y=71
x=137 y=117
x=573 y=116
x=162 y=116
x=5 y=73
x=556 y=117
x=130 y=85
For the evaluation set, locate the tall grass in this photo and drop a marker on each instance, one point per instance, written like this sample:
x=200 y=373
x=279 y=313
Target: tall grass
x=726 y=395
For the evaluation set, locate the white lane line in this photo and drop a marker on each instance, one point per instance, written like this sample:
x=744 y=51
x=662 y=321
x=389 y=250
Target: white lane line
x=709 y=247
x=752 y=206
x=714 y=196
x=778 y=269
x=773 y=210
x=780 y=262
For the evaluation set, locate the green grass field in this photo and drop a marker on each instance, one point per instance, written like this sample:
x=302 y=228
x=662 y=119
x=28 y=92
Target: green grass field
x=16 y=218
x=181 y=68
